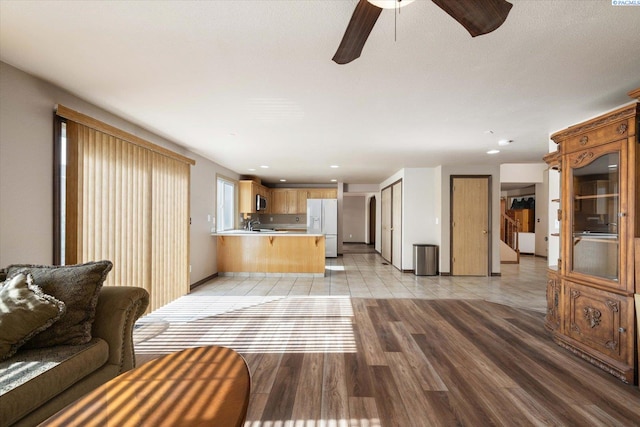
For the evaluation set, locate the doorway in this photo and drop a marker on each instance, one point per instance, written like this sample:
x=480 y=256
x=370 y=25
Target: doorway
x=470 y=231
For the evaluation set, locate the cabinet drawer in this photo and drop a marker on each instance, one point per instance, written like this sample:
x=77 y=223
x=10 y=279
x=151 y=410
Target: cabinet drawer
x=601 y=320
x=602 y=135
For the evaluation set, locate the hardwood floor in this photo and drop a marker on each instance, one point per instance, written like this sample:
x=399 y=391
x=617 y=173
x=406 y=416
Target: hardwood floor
x=371 y=346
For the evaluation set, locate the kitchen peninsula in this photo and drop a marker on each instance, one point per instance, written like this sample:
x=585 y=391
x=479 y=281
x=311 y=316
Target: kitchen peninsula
x=271 y=252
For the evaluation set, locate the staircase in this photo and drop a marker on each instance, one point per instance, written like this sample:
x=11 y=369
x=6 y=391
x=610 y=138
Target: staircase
x=509 y=246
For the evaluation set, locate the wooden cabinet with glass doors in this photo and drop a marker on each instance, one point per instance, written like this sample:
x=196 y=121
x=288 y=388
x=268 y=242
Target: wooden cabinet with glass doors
x=591 y=306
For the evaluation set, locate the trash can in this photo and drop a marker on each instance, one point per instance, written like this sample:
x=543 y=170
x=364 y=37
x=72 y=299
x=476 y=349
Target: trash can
x=425 y=259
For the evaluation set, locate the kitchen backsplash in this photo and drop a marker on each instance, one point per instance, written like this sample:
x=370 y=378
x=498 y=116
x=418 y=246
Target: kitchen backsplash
x=267 y=220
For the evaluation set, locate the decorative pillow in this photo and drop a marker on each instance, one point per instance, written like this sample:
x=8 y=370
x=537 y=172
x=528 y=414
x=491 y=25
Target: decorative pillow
x=24 y=312
x=78 y=287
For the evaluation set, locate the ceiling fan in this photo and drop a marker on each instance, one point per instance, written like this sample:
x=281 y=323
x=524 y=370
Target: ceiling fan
x=477 y=16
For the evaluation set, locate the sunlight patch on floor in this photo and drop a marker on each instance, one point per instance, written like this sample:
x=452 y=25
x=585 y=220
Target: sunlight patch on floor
x=353 y=422
x=249 y=325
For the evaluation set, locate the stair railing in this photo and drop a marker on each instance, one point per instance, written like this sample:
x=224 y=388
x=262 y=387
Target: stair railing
x=509 y=233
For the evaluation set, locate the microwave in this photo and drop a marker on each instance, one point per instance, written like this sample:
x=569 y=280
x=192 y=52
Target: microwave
x=261 y=203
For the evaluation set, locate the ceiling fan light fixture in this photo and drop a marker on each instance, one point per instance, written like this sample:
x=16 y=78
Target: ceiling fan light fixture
x=390 y=4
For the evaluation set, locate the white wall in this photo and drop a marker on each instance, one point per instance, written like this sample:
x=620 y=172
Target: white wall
x=26 y=172
x=354 y=219
x=419 y=213
x=203 y=246
x=522 y=172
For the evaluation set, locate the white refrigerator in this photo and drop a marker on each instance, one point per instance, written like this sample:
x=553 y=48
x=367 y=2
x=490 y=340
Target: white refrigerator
x=322 y=218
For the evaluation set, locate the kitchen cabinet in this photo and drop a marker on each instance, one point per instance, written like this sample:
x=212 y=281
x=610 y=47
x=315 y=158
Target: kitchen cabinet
x=322 y=193
x=294 y=200
x=302 y=202
x=598 y=322
x=284 y=201
x=590 y=304
x=248 y=190
x=291 y=254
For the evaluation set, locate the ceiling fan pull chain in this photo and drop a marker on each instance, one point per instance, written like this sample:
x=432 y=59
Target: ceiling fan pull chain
x=395 y=22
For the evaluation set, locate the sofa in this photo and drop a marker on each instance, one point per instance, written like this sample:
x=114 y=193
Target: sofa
x=43 y=374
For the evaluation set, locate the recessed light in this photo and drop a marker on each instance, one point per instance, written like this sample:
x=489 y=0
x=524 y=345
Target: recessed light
x=264 y=167
x=334 y=166
x=283 y=180
x=493 y=151
x=334 y=180
x=504 y=142
x=252 y=169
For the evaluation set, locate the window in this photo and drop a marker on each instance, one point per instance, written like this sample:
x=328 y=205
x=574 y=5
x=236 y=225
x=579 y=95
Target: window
x=226 y=204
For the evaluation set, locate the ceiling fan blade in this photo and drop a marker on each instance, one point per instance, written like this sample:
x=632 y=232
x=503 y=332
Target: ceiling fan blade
x=477 y=16
x=362 y=21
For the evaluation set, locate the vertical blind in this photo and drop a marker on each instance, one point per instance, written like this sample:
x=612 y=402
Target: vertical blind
x=127 y=201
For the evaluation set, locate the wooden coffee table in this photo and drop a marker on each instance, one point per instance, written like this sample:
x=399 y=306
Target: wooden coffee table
x=202 y=386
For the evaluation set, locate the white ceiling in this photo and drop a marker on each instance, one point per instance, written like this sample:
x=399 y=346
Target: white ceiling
x=251 y=83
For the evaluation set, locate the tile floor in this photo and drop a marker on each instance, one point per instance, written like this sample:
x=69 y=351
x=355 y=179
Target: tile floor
x=223 y=311
x=366 y=276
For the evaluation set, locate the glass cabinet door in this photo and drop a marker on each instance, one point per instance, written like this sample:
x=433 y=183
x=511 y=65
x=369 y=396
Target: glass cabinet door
x=594 y=218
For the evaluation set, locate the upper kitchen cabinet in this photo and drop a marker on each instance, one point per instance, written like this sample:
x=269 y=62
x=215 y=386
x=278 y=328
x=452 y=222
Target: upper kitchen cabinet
x=322 y=193
x=591 y=308
x=294 y=200
x=249 y=190
x=284 y=201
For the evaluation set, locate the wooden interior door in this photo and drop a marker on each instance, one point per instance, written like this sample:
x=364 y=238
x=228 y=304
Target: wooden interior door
x=385 y=221
x=470 y=235
x=396 y=225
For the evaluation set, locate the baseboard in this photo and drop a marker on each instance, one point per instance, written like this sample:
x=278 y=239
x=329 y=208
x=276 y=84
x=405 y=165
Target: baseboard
x=496 y=274
x=445 y=273
x=203 y=281
x=509 y=262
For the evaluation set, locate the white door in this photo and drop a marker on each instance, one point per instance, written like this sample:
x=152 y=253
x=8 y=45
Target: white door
x=385 y=220
x=396 y=225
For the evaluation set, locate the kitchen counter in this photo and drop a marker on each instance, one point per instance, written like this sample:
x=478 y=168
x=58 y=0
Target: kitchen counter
x=263 y=233
x=270 y=252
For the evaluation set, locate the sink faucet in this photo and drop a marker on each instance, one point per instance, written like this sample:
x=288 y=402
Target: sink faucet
x=251 y=223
